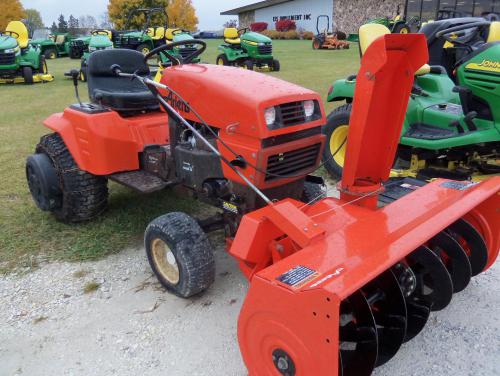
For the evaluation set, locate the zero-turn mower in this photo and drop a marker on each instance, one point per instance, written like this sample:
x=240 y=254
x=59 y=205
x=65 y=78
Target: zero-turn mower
x=247 y=49
x=20 y=62
x=336 y=285
x=326 y=40
x=452 y=126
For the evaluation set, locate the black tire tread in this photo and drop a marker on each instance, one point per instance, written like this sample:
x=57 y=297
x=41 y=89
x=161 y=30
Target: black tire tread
x=313 y=192
x=85 y=196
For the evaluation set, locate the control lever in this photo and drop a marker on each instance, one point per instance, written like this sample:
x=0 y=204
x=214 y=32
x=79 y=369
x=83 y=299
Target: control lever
x=75 y=75
x=469 y=120
x=465 y=95
x=456 y=124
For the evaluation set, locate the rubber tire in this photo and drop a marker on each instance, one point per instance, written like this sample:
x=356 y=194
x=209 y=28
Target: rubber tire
x=83 y=73
x=191 y=248
x=223 y=58
x=397 y=29
x=316 y=44
x=276 y=65
x=313 y=192
x=248 y=64
x=84 y=196
x=27 y=75
x=338 y=117
x=42 y=67
x=49 y=53
x=142 y=46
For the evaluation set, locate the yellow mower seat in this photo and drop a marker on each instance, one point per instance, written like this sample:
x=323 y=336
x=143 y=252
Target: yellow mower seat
x=494 y=34
x=19 y=28
x=170 y=33
x=156 y=33
x=370 y=32
x=231 y=36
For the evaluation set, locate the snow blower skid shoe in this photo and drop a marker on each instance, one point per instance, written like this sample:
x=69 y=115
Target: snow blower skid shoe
x=339 y=285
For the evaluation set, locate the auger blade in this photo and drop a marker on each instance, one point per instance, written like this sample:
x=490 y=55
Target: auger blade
x=389 y=310
x=357 y=336
x=433 y=282
x=454 y=258
x=472 y=242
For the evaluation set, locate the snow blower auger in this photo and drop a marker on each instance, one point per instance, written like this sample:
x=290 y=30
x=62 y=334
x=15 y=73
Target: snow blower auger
x=339 y=285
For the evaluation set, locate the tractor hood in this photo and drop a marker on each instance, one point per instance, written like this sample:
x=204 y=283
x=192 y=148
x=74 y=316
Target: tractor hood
x=7 y=42
x=41 y=41
x=182 y=37
x=100 y=42
x=255 y=37
x=134 y=34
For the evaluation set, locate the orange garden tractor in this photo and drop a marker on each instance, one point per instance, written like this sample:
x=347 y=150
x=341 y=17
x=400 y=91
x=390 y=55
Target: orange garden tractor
x=336 y=285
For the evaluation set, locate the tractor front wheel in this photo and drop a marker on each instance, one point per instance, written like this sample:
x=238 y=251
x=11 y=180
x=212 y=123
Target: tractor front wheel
x=28 y=75
x=313 y=192
x=144 y=49
x=180 y=254
x=276 y=66
x=316 y=44
x=402 y=29
x=50 y=53
x=59 y=186
x=222 y=60
x=336 y=131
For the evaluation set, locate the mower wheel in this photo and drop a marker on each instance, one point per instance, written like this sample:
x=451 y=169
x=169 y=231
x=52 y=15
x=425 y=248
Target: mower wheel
x=276 y=66
x=180 y=254
x=144 y=49
x=402 y=29
x=82 y=196
x=336 y=131
x=42 y=68
x=248 y=64
x=316 y=45
x=222 y=60
x=28 y=75
x=50 y=53
x=313 y=192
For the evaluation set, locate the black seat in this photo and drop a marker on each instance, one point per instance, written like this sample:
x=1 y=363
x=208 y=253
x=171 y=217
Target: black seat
x=119 y=93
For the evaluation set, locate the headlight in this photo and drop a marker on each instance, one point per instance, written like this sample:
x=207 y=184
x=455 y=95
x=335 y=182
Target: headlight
x=270 y=116
x=92 y=49
x=262 y=44
x=309 y=108
x=12 y=50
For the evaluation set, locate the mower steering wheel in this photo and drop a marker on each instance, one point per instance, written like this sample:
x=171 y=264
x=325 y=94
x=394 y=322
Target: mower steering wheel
x=10 y=33
x=243 y=30
x=174 y=60
x=445 y=33
x=100 y=32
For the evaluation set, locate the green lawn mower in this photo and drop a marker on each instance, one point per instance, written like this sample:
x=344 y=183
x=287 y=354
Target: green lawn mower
x=20 y=62
x=247 y=49
x=452 y=124
x=50 y=45
x=100 y=40
x=182 y=49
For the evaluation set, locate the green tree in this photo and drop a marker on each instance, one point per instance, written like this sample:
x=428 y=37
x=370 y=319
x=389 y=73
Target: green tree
x=62 y=25
x=53 y=28
x=33 y=20
x=72 y=25
x=119 y=11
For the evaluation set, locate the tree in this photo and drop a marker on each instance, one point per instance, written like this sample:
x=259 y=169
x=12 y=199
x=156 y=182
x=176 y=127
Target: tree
x=73 y=25
x=181 y=13
x=11 y=10
x=53 y=28
x=87 y=22
x=231 y=24
x=105 y=21
x=119 y=11
x=33 y=20
x=62 y=25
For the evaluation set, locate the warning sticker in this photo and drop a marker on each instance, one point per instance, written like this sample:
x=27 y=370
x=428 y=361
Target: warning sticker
x=297 y=276
x=459 y=186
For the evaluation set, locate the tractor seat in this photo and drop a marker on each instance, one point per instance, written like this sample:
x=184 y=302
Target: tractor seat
x=231 y=36
x=170 y=33
x=494 y=33
x=19 y=28
x=156 y=33
x=119 y=93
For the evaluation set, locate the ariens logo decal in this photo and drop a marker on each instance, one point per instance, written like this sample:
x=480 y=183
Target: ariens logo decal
x=177 y=103
x=485 y=65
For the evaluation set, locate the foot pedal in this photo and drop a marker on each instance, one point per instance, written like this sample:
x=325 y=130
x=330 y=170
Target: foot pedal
x=429 y=132
x=140 y=181
x=394 y=189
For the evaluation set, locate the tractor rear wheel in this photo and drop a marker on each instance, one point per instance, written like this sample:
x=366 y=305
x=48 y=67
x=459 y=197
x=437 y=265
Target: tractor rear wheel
x=180 y=254
x=42 y=68
x=59 y=186
x=402 y=29
x=50 y=53
x=28 y=75
x=336 y=131
x=143 y=48
x=222 y=60
x=313 y=192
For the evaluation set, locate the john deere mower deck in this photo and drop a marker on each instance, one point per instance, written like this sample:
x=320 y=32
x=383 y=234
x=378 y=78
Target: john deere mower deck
x=336 y=285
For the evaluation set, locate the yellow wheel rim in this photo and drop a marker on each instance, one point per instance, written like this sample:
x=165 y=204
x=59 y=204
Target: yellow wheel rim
x=404 y=30
x=52 y=55
x=165 y=261
x=220 y=62
x=338 y=138
x=145 y=51
x=81 y=76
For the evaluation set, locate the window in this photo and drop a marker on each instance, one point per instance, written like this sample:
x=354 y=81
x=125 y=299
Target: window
x=496 y=6
x=429 y=9
x=413 y=8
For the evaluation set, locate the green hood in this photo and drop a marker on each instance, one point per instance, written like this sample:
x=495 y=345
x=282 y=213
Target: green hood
x=7 y=42
x=182 y=37
x=255 y=37
x=100 y=41
x=136 y=34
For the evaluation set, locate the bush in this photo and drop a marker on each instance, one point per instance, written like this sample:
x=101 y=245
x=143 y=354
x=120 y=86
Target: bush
x=308 y=35
x=288 y=35
x=258 y=26
x=286 y=25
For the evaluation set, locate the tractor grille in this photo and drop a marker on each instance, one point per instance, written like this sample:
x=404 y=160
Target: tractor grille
x=292 y=162
x=292 y=113
x=7 y=59
x=186 y=51
x=127 y=42
x=266 y=49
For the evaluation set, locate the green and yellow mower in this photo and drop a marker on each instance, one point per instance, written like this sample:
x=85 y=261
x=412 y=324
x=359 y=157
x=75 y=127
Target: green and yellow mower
x=51 y=45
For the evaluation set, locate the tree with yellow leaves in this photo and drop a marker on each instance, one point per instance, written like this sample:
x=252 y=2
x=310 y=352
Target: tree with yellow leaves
x=11 y=10
x=181 y=13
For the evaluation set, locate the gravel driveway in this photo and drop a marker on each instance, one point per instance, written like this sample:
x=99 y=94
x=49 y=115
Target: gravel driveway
x=130 y=326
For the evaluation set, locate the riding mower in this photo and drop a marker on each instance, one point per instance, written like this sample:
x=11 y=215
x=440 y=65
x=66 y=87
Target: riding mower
x=182 y=49
x=100 y=40
x=336 y=285
x=451 y=128
x=247 y=49
x=50 y=45
x=327 y=40
x=20 y=62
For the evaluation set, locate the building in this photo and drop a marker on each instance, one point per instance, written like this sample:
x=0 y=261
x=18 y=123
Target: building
x=348 y=15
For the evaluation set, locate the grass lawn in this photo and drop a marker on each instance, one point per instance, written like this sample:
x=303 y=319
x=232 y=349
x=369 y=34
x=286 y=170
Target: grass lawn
x=26 y=231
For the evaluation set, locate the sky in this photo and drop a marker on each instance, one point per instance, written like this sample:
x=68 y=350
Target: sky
x=208 y=11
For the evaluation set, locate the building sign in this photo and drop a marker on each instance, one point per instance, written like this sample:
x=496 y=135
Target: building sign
x=297 y=17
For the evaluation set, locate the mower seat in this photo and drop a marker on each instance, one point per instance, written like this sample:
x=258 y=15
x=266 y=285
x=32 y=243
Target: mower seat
x=231 y=36
x=156 y=33
x=169 y=34
x=19 y=28
x=494 y=33
x=370 y=32
x=119 y=93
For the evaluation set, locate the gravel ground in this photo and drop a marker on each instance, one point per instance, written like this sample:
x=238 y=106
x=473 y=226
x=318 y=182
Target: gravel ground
x=130 y=326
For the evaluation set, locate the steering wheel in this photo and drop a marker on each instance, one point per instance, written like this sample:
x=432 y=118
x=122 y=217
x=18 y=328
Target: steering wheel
x=10 y=33
x=243 y=30
x=100 y=32
x=165 y=49
x=464 y=42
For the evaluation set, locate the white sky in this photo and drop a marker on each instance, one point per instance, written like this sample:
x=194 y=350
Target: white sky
x=208 y=11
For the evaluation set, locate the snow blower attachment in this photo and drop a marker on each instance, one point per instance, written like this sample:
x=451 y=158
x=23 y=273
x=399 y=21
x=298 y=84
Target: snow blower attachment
x=339 y=285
